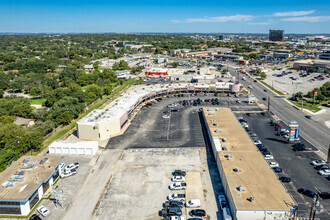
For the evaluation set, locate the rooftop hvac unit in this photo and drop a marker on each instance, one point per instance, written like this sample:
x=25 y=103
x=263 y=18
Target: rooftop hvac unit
x=228 y=156
x=8 y=184
x=16 y=179
x=224 y=139
x=19 y=172
x=224 y=148
x=238 y=170
x=240 y=189
x=26 y=160
x=250 y=199
x=215 y=124
x=217 y=131
x=43 y=160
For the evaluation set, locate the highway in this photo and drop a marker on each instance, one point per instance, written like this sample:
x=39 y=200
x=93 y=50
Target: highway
x=314 y=132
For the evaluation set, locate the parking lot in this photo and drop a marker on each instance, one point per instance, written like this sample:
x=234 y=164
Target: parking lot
x=183 y=129
x=140 y=184
x=295 y=165
x=300 y=84
x=69 y=185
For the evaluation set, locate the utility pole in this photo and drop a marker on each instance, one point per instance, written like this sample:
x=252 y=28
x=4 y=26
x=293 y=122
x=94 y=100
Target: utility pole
x=268 y=102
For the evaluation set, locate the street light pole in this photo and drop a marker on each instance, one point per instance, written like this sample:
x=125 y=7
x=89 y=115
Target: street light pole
x=268 y=102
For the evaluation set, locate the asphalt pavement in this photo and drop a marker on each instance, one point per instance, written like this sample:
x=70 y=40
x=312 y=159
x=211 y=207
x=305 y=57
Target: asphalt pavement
x=295 y=165
x=314 y=132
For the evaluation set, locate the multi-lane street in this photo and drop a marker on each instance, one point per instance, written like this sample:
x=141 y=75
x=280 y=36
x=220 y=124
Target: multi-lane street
x=314 y=132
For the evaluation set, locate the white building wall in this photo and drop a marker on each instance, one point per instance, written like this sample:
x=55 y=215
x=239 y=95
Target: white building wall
x=40 y=192
x=25 y=208
x=262 y=215
x=74 y=147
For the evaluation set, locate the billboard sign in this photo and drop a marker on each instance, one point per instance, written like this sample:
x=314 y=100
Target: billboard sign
x=316 y=94
x=297 y=134
x=294 y=132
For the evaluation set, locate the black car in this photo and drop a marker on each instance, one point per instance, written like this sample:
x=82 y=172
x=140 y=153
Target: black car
x=34 y=217
x=328 y=177
x=301 y=148
x=285 y=179
x=176 y=204
x=174 y=110
x=248 y=114
x=265 y=90
x=321 y=167
x=242 y=120
x=171 y=212
x=307 y=192
x=194 y=219
x=264 y=99
x=198 y=212
x=263 y=113
x=277 y=169
x=179 y=173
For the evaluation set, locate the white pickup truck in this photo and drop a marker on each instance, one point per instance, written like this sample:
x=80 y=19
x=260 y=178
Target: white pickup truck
x=177 y=197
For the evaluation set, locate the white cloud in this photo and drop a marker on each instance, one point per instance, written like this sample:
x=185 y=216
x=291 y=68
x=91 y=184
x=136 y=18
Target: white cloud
x=293 y=13
x=175 y=21
x=259 y=23
x=308 y=19
x=222 y=18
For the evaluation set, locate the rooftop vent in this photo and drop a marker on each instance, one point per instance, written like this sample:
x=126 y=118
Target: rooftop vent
x=215 y=124
x=224 y=139
x=224 y=148
x=240 y=189
x=29 y=166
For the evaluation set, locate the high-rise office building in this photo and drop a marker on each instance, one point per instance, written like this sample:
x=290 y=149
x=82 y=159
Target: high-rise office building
x=221 y=37
x=276 y=35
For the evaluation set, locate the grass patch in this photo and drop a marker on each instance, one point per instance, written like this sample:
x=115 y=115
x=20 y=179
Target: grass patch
x=67 y=128
x=308 y=104
x=39 y=101
x=271 y=88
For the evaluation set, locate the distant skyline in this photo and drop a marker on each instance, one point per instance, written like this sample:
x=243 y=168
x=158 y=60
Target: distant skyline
x=208 y=16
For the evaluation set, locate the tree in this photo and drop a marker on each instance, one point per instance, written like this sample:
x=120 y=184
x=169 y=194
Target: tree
x=96 y=65
x=263 y=75
x=175 y=64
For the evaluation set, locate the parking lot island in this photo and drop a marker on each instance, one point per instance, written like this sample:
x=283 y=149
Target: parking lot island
x=251 y=186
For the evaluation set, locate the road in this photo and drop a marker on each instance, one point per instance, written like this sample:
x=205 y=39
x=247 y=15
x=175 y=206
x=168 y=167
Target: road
x=314 y=132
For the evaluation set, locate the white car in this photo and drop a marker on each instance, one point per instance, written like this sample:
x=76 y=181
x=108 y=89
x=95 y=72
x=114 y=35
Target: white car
x=194 y=203
x=318 y=162
x=257 y=142
x=238 y=101
x=176 y=218
x=177 y=197
x=68 y=173
x=166 y=116
x=43 y=211
x=324 y=172
x=273 y=164
x=71 y=166
x=250 y=87
x=178 y=179
x=268 y=157
x=178 y=186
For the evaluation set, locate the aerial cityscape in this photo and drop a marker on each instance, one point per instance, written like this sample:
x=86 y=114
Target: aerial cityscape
x=176 y=110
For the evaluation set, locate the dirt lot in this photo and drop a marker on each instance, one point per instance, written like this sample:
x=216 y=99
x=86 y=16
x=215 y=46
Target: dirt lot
x=140 y=184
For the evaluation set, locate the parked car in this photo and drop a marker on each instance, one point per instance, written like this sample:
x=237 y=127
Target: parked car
x=178 y=179
x=307 y=192
x=171 y=212
x=224 y=207
x=264 y=99
x=253 y=134
x=179 y=173
x=178 y=186
x=197 y=212
x=174 y=110
x=285 y=179
x=166 y=112
x=318 y=162
x=66 y=174
x=194 y=219
x=194 y=203
x=165 y=116
x=43 y=211
x=34 y=217
x=72 y=166
x=257 y=142
x=324 y=172
x=277 y=169
x=268 y=157
x=174 y=218
x=322 y=167
x=177 y=197
x=273 y=164
x=173 y=204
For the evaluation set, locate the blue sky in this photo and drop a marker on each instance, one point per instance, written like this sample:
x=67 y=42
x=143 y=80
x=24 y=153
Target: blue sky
x=203 y=16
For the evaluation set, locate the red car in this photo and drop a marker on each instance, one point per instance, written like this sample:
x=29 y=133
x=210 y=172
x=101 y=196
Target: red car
x=279 y=126
x=149 y=103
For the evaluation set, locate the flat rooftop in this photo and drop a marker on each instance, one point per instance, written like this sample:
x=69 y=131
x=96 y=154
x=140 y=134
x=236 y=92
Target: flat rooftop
x=32 y=177
x=257 y=178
